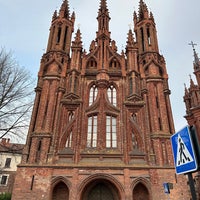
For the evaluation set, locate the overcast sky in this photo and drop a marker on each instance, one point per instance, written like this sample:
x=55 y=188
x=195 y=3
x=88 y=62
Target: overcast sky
x=24 y=29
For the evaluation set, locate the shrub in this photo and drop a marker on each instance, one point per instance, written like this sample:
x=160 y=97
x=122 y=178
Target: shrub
x=5 y=196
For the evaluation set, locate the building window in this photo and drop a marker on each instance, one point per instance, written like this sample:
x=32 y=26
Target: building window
x=69 y=140
x=114 y=64
x=59 y=35
x=130 y=85
x=134 y=142
x=93 y=94
x=148 y=36
x=76 y=85
x=112 y=95
x=92 y=132
x=142 y=36
x=111 y=132
x=7 y=163
x=4 y=180
x=92 y=63
x=71 y=116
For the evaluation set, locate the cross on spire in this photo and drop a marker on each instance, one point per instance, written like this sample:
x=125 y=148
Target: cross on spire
x=192 y=44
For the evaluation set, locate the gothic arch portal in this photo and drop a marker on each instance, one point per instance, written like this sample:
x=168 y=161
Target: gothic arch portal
x=101 y=187
x=141 y=190
x=60 y=189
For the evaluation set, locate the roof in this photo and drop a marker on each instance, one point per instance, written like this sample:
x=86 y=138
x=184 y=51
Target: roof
x=7 y=147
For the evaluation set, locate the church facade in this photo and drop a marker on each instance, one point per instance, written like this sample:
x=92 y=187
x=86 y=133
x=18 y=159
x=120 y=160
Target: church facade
x=192 y=104
x=101 y=122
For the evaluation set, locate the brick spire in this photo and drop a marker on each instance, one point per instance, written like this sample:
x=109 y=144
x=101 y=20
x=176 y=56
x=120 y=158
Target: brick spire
x=143 y=11
x=130 y=39
x=64 y=9
x=103 y=17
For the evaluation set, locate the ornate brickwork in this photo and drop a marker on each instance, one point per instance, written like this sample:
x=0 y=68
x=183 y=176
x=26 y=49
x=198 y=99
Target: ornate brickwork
x=101 y=119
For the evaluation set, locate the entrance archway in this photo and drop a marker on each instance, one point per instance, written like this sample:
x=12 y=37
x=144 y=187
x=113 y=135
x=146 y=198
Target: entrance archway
x=140 y=192
x=100 y=190
x=60 y=192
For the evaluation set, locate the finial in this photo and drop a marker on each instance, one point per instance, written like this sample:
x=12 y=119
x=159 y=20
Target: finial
x=196 y=58
x=192 y=44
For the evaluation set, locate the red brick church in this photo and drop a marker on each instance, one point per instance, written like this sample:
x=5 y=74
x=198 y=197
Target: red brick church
x=102 y=120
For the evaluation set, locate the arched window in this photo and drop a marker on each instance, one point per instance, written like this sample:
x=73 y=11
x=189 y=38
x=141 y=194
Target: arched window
x=130 y=85
x=76 y=85
x=60 y=191
x=140 y=192
x=92 y=131
x=92 y=63
x=59 y=35
x=134 y=141
x=69 y=140
x=114 y=64
x=93 y=94
x=112 y=95
x=111 y=132
x=70 y=116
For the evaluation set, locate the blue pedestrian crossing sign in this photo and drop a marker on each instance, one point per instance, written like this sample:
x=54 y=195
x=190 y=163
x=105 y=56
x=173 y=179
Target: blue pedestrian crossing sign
x=183 y=151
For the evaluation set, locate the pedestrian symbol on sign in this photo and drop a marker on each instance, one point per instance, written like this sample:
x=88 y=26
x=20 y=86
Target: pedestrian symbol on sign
x=183 y=155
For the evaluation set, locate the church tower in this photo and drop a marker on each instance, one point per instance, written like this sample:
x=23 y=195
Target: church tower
x=192 y=103
x=102 y=120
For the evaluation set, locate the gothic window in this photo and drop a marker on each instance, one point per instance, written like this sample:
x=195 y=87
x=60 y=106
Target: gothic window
x=38 y=151
x=93 y=94
x=75 y=85
x=71 y=116
x=148 y=36
x=59 y=35
x=157 y=102
x=70 y=83
x=92 y=131
x=112 y=95
x=130 y=86
x=114 y=64
x=65 y=37
x=142 y=37
x=160 y=123
x=134 y=116
x=134 y=142
x=92 y=63
x=69 y=140
x=111 y=132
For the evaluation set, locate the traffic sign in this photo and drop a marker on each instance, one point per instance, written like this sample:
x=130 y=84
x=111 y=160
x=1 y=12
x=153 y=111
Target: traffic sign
x=183 y=151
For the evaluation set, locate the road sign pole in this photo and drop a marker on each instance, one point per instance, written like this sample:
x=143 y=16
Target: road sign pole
x=192 y=187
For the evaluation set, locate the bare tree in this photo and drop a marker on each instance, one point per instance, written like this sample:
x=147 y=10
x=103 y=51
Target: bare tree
x=16 y=97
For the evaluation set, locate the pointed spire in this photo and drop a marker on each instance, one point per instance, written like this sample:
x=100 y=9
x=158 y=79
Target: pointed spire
x=103 y=19
x=191 y=82
x=130 y=39
x=73 y=15
x=186 y=90
x=135 y=18
x=143 y=10
x=196 y=58
x=54 y=15
x=77 y=39
x=151 y=16
x=64 y=9
x=103 y=6
x=78 y=35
